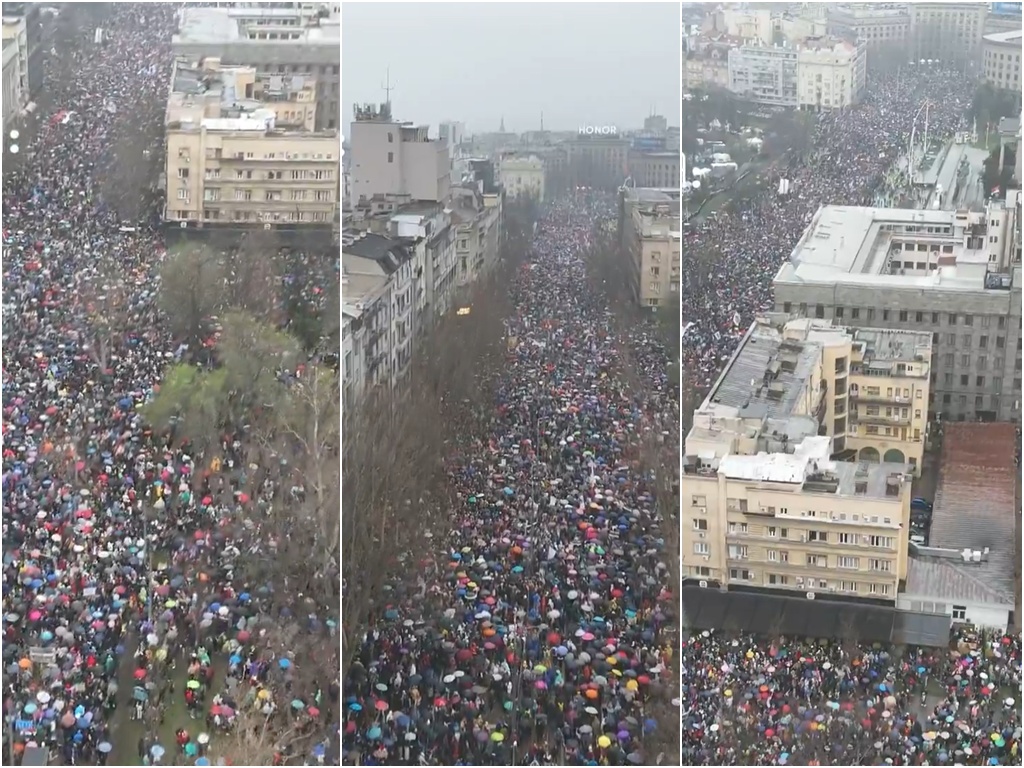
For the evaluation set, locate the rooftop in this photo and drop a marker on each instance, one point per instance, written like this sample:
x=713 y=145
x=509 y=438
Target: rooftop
x=226 y=25
x=766 y=370
x=851 y=245
x=1013 y=37
x=975 y=504
x=948 y=580
x=387 y=253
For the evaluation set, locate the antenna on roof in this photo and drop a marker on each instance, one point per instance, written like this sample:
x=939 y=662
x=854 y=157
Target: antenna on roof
x=387 y=87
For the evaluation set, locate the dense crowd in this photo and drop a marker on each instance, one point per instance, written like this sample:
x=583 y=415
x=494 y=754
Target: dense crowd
x=112 y=537
x=544 y=638
x=730 y=261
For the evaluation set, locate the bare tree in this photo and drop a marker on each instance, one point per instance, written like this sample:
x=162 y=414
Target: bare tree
x=106 y=301
x=192 y=286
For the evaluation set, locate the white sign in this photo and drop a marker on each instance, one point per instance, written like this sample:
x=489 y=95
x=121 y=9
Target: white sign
x=598 y=130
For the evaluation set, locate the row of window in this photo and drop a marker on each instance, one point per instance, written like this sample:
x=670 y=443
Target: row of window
x=784 y=580
x=851 y=563
x=903 y=315
x=742 y=506
x=215 y=214
x=849 y=539
x=212 y=195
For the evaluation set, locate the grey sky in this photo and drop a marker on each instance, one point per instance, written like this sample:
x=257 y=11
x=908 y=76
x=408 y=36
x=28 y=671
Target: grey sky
x=579 y=63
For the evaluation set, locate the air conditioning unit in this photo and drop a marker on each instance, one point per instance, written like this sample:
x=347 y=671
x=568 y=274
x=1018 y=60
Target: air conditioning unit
x=267 y=225
x=702 y=584
x=707 y=558
x=702 y=510
x=810 y=595
x=702 y=534
x=183 y=225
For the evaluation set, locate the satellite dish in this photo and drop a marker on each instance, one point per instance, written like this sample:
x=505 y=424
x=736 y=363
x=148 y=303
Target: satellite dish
x=14 y=149
x=14 y=135
x=696 y=183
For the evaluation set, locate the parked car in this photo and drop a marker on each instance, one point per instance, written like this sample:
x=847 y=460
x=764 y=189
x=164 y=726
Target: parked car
x=919 y=503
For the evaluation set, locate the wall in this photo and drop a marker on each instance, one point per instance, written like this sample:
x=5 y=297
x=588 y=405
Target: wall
x=978 y=614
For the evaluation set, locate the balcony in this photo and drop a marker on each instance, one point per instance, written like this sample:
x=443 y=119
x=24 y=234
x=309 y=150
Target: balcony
x=862 y=396
x=883 y=420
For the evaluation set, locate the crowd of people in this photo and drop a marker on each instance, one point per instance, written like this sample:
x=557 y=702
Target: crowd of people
x=115 y=538
x=755 y=701
x=546 y=636
x=731 y=259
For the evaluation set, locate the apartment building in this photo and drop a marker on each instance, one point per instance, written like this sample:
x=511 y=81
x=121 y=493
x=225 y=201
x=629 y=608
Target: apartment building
x=765 y=74
x=878 y=25
x=650 y=237
x=240 y=152
x=831 y=73
x=706 y=61
x=597 y=161
x=278 y=39
x=378 y=298
x=947 y=31
x=389 y=157
x=522 y=175
x=477 y=218
x=24 y=23
x=953 y=274
x=657 y=170
x=767 y=505
x=12 y=94
x=1001 y=60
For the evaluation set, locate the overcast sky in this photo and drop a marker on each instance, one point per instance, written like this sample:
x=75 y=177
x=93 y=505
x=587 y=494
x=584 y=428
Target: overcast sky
x=586 y=63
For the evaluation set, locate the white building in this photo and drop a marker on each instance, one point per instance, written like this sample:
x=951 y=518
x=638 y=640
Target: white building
x=428 y=228
x=522 y=175
x=765 y=74
x=1001 y=60
x=12 y=93
x=477 y=218
x=832 y=73
x=877 y=24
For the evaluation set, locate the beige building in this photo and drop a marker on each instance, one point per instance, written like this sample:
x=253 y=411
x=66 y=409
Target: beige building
x=766 y=503
x=1001 y=60
x=877 y=24
x=947 y=31
x=650 y=237
x=12 y=93
x=831 y=72
x=522 y=175
x=706 y=62
x=241 y=152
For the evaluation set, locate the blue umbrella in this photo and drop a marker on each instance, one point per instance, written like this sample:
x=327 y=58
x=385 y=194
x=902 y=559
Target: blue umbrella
x=284 y=663
x=373 y=734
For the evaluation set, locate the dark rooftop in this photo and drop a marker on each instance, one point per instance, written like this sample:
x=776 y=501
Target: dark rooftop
x=389 y=254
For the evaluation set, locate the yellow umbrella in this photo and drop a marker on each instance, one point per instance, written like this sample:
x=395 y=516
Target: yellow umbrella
x=604 y=742
x=498 y=736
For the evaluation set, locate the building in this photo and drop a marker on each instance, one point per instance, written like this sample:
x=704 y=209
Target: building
x=477 y=218
x=831 y=73
x=967 y=571
x=650 y=236
x=522 y=175
x=278 y=39
x=706 y=62
x=378 y=300
x=25 y=22
x=954 y=274
x=753 y=25
x=765 y=74
x=947 y=31
x=766 y=505
x=453 y=133
x=597 y=161
x=878 y=25
x=1000 y=60
x=12 y=93
x=659 y=170
x=240 y=151
x=396 y=158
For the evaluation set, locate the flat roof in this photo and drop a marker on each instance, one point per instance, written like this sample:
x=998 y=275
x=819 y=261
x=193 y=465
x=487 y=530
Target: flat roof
x=1013 y=36
x=975 y=505
x=948 y=580
x=883 y=344
x=224 y=25
x=760 y=348
x=844 y=244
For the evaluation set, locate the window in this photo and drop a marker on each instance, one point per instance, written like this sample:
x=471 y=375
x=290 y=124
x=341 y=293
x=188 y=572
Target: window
x=959 y=613
x=183 y=194
x=783 y=533
x=878 y=589
x=773 y=532
x=1000 y=342
x=965 y=360
x=183 y=173
x=391 y=157
x=738 y=552
x=818 y=536
x=849 y=562
x=701 y=548
x=979 y=381
x=839 y=313
x=324 y=195
x=855 y=313
x=735 y=528
x=935 y=318
x=982 y=362
x=700 y=525
x=697 y=501
x=740 y=574
x=968 y=319
x=885 y=314
x=885 y=566
x=773 y=555
x=951 y=318
x=1000 y=323
x=903 y=315
x=847 y=586
x=967 y=341
x=847 y=538
x=949 y=359
x=778 y=579
x=986 y=321
x=885 y=542
x=391 y=138
x=817 y=561
x=919 y=317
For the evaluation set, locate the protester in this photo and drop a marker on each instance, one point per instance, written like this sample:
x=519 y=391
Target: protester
x=544 y=636
x=85 y=574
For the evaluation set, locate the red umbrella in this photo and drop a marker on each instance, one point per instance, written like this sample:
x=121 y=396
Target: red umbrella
x=313 y=712
x=139 y=673
x=381 y=706
x=243 y=636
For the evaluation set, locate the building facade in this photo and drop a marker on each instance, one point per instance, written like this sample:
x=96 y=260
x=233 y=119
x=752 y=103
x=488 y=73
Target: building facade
x=522 y=175
x=947 y=31
x=394 y=158
x=12 y=93
x=597 y=161
x=878 y=25
x=273 y=40
x=230 y=163
x=766 y=504
x=650 y=238
x=1001 y=60
x=954 y=274
x=659 y=170
x=765 y=74
x=832 y=73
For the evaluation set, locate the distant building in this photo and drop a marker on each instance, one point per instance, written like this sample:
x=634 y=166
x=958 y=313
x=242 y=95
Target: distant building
x=241 y=152
x=650 y=236
x=947 y=31
x=955 y=274
x=767 y=506
x=597 y=161
x=706 y=62
x=765 y=74
x=522 y=175
x=878 y=25
x=12 y=93
x=453 y=133
x=655 y=169
x=285 y=39
x=396 y=158
x=1001 y=60
x=23 y=22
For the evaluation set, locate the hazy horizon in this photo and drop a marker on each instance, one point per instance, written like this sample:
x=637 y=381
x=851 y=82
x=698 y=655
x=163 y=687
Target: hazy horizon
x=578 y=64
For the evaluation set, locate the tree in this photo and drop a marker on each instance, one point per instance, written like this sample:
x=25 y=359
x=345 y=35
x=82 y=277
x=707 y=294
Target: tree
x=106 y=301
x=192 y=285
